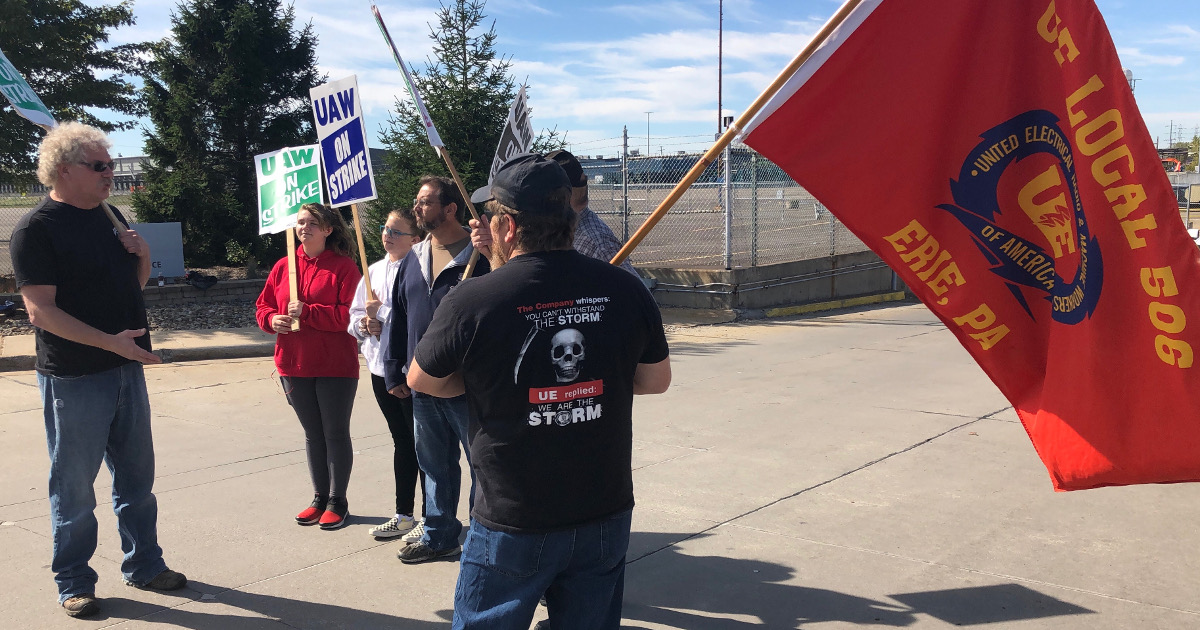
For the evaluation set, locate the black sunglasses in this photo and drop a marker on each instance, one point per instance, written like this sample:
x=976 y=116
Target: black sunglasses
x=99 y=166
x=389 y=231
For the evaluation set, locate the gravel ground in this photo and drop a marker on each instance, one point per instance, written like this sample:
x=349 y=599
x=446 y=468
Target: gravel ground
x=236 y=314
x=205 y=316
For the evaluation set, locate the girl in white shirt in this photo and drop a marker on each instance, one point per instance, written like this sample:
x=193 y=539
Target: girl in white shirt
x=367 y=319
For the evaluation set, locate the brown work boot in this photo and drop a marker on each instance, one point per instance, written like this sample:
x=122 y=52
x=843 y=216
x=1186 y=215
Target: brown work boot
x=84 y=605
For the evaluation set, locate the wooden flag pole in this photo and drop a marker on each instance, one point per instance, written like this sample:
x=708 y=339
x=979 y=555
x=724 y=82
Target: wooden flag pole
x=362 y=251
x=293 y=291
x=112 y=216
x=467 y=200
x=733 y=130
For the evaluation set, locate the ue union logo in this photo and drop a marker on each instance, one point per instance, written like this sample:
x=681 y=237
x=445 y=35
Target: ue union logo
x=1018 y=195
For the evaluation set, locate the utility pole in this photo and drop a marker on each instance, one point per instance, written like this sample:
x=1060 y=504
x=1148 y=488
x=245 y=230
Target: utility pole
x=648 y=132
x=720 y=59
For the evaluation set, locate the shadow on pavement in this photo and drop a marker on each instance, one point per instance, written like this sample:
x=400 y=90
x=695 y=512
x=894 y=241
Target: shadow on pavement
x=670 y=588
x=269 y=613
x=988 y=604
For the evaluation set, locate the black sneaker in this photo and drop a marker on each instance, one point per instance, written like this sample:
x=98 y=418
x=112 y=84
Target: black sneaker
x=419 y=552
x=312 y=513
x=168 y=580
x=336 y=513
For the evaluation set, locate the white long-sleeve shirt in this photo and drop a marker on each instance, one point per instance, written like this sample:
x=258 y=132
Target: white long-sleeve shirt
x=383 y=276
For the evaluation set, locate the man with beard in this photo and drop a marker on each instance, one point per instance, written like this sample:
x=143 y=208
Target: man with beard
x=592 y=237
x=425 y=276
x=551 y=450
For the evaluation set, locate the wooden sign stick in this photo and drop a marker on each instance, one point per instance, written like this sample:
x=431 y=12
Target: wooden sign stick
x=467 y=200
x=362 y=252
x=293 y=291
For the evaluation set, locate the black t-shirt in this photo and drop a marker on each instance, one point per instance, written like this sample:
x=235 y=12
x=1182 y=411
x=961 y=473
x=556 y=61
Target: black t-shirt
x=78 y=252
x=548 y=345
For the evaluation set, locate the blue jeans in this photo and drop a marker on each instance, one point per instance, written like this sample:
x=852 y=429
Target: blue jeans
x=439 y=427
x=581 y=571
x=103 y=416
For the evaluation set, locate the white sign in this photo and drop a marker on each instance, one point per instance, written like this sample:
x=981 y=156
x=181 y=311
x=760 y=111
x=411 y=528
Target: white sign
x=18 y=92
x=166 y=248
x=435 y=140
x=287 y=179
x=342 y=133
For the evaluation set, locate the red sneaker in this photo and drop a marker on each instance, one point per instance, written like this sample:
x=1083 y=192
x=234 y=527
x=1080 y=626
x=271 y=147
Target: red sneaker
x=336 y=513
x=312 y=513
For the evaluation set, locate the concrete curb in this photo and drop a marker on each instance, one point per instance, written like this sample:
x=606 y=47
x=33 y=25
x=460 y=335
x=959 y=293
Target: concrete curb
x=215 y=353
x=17 y=352
x=865 y=300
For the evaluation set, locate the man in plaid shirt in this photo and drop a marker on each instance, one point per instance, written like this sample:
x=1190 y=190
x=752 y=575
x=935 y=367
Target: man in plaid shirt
x=592 y=237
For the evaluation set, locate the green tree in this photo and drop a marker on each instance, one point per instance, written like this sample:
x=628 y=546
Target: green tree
x=56 y=45
x=233 y=82
x=467 y=89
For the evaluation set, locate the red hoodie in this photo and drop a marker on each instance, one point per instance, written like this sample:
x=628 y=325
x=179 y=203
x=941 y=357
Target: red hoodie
x=326 y=285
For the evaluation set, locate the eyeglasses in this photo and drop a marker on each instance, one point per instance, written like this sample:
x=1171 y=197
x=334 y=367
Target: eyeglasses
x=424 y=203
x=390 y=232
x=99 y=166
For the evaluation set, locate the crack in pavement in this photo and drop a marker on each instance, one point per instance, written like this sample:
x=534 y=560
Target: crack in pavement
x=818 y=485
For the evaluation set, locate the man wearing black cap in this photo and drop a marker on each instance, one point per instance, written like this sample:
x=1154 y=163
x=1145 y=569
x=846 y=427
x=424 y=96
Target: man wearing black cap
x=592 y=236
x=550 y=348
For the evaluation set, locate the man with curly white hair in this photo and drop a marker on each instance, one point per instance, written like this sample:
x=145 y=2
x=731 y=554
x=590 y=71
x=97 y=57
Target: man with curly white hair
x=81 y=279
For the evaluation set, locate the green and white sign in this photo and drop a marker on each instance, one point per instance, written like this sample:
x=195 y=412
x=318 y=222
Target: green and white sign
x=18 y=92
x=287 y=179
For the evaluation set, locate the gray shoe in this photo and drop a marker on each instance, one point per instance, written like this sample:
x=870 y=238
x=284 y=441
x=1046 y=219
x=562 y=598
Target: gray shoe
x=419 y=552
x=84 y=605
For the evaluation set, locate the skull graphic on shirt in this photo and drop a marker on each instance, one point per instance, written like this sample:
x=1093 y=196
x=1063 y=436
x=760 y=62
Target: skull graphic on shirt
x=566 y=352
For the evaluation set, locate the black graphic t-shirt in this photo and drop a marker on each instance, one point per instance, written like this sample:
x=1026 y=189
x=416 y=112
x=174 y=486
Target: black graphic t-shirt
x=548 y=345
x=96 y=281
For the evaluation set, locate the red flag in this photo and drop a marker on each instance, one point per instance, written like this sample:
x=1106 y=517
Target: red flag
x=1017 y=192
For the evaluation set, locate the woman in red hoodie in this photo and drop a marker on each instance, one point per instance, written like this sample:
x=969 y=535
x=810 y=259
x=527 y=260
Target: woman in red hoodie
x=318 y=364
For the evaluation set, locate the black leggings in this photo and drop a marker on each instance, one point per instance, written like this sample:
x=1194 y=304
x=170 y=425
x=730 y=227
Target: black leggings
x=323 y=404
x=398 y=413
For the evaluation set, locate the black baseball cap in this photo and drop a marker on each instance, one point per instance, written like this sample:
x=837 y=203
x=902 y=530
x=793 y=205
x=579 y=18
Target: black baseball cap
x=523 y=182
x=571 y=165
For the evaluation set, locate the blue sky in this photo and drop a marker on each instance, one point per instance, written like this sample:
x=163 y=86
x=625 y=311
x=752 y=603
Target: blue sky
x=593 y=68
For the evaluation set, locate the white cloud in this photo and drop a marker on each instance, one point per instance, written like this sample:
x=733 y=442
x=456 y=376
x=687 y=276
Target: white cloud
x=673 y=74
x=1179 y=35
x=1134 y=57
x=663 y=12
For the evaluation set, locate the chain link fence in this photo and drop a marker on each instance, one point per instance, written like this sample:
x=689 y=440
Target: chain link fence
x=761 y=217
x=770 y=219
x=14 y=205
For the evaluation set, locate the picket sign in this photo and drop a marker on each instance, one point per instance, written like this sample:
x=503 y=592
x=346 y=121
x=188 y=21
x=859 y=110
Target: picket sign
x=345 y=157
x=287 y=179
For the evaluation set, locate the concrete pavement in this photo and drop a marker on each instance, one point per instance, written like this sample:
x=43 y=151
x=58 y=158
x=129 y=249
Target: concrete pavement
x=17 y=351
x=847 y=470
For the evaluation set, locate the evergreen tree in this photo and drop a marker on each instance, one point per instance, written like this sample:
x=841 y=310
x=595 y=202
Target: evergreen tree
x=55 y=44
x=233 y=82
x=467 y=89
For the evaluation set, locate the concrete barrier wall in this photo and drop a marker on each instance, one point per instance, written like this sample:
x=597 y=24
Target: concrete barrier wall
x=223 y=291
x=801 y=282
x=784 y=284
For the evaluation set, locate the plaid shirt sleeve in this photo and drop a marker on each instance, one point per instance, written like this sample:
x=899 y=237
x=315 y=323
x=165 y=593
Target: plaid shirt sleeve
x=594 y=239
